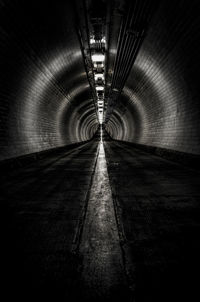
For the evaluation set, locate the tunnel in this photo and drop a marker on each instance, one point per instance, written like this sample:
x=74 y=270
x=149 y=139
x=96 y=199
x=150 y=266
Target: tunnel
x=100 y=150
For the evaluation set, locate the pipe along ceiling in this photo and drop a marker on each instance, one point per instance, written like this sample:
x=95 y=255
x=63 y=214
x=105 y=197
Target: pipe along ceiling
x=67 y=66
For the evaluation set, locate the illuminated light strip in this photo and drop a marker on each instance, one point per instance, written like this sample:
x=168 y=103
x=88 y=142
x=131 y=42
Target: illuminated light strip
x=98 y=76
x=98 y=57
x=99 y=65
x=98 y=62
x=92 y=41
x=99 y=88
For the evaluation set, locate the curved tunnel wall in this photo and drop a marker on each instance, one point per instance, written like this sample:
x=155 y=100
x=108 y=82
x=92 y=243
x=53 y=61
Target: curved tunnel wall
x=160 y=102
x=43 y=84
x=45 y=100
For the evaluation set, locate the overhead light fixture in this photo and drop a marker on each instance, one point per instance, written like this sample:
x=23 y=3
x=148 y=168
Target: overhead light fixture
x=98 y=65
x=98 y=76
x=98 y=57
x=92 y=41
x=99 y=88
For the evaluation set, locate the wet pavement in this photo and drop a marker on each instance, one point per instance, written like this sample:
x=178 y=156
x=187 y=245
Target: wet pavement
x=79 y=226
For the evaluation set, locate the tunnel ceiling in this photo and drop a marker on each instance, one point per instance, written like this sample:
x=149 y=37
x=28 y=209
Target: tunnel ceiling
x=49 y=78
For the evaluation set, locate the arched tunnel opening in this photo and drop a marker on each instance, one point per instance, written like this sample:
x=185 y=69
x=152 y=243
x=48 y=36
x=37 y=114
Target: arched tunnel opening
x=100 y=149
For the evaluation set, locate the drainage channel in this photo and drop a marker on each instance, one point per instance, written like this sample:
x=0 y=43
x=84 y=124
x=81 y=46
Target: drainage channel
x=103 y=276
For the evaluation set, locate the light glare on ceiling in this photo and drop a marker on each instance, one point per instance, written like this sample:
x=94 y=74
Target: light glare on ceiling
x=92 y=41
x=99 y=88
x=98 y=57
x=99 y=76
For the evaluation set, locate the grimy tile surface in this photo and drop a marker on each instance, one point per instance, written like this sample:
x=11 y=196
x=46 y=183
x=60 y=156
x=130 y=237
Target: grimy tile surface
x=157 y=206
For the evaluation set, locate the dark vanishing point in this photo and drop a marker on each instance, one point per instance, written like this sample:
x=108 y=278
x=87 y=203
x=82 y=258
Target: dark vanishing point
x=100 y=150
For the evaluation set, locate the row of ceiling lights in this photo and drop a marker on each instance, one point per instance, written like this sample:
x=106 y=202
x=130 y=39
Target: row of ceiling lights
x=98 y=60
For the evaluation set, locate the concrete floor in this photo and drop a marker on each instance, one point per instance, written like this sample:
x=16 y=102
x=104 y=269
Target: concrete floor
x=158 y=210
x=75 y=231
